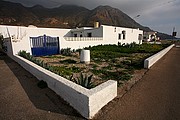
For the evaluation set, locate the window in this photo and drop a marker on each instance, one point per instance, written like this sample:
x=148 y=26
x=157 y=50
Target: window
x=124 y=35
x=140 y=37
x=80 y=35
x=115 y=29
x=75 y=35
x=89 y=34
x=119 y=36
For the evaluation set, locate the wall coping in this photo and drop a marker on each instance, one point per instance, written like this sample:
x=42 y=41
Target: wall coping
x=154 y=58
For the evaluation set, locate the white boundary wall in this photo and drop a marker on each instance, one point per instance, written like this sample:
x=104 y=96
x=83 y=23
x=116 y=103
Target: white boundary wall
x=102 y=35
x=153 y=59
x=86 y=102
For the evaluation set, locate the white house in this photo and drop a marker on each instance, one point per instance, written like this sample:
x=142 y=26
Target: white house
x=38 y=41
x=150 y=36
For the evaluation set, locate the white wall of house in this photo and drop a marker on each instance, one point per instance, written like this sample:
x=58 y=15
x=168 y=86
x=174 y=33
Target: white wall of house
x=95 y=32
x=79 y=44
x=84 y=41
x=111 y=35
x=24 y=33
x=102 y=35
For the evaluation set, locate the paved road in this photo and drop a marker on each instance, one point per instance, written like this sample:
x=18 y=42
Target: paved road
x=21 y=99
x=155 y=97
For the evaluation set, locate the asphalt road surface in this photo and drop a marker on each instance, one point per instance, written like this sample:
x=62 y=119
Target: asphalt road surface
x=22 y=99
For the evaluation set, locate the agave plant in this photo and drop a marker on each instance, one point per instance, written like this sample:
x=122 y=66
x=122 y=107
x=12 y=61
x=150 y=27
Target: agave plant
x=85 y=81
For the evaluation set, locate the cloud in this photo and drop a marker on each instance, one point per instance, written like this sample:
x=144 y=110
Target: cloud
x=162 y=18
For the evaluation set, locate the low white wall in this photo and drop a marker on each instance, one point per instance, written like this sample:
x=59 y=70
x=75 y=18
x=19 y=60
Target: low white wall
x=101 y=95
x=86 y=102
x=153 y=59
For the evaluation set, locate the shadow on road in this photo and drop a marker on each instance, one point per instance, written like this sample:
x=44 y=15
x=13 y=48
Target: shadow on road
x=44 y=99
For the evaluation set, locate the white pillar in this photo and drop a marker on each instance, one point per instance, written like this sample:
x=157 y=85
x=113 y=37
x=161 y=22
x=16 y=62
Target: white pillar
x=85 y=56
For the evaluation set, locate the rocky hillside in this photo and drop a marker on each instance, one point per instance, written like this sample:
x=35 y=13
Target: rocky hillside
x=16 y=14
x=65 y=16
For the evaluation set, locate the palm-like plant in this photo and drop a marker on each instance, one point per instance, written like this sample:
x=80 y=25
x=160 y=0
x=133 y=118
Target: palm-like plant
x=85 y=81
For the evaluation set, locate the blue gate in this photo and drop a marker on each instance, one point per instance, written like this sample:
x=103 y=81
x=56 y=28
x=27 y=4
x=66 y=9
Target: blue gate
x=44 y=45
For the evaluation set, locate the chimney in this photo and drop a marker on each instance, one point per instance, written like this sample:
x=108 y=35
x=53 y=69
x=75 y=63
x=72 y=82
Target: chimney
x=96 y=24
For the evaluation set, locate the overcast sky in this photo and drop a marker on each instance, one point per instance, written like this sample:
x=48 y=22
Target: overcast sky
x=159 y=15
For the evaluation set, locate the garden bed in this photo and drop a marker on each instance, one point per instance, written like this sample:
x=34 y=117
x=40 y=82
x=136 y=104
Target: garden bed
x=108 y=62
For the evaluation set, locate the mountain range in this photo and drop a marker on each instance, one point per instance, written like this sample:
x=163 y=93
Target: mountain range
x=66 y=16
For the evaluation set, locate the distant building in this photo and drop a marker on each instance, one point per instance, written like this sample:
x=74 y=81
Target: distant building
x=150 y=36
x=44 y=41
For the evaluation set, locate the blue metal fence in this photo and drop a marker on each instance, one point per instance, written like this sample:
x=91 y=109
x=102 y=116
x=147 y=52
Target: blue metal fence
x=44 y=45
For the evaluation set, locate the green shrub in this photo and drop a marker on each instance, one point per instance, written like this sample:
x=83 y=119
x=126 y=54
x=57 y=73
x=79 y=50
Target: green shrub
x=97 y=72
x=23 y=54
x=66 y=51
x=75 y=69
x=68 y=61
x=78 y=50
x=106 y=55
x=63 y=71
x=119 y=65
x=128 y=48
x=108 y=67
x=94 y=66
x=125 y=76
x=53 y=56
